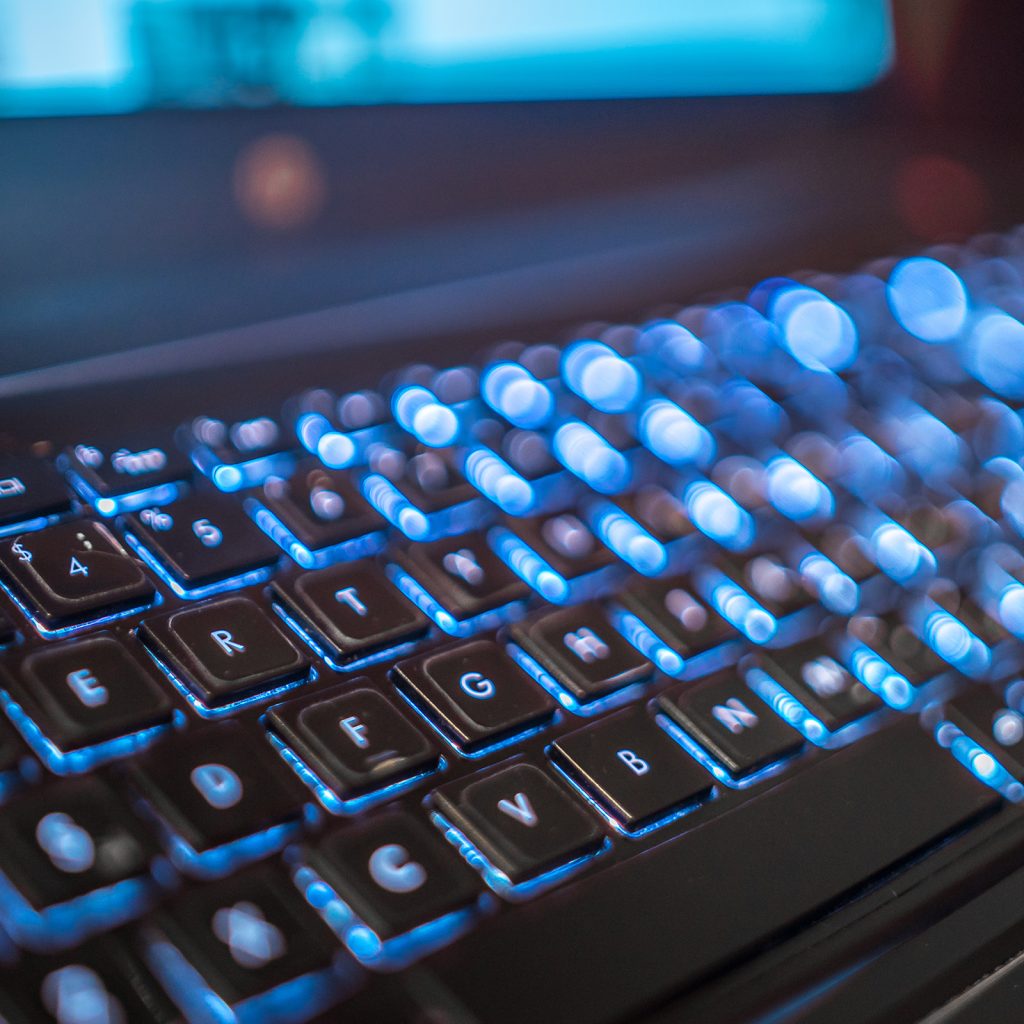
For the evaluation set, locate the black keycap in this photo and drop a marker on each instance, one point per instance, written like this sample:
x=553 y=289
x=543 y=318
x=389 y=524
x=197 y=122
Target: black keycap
x=103 y=981
x=982 y=713
x=659 y=512
x=74 y=572
x=428 y=479
x=225 y=649
x=203 y=539
x=632 y=767
x=672 y=610
x=462 y=574
x=88 y=691
x=824 y=686
x=352 y=608
x=579 y=647
x=734 y=725
x=245 y=936
x=70 y=838
x=475 y=693
x=395 y=872
x=716 y=892
x=30 y=489
x=565 y=542
x=320 y=507
x=218 y=447
x=354 y=739
x=520 y=818
x=112 y=470
x=840 y=544
x=215 y=785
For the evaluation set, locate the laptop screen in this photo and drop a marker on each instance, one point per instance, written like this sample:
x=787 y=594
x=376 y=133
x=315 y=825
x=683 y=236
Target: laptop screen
x=97 y=56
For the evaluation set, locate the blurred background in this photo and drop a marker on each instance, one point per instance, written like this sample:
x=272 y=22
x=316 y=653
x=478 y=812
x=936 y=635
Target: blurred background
x=174 y=167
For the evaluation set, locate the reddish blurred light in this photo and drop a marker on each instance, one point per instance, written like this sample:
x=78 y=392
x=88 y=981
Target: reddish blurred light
x=940 y=198
x=279 y=181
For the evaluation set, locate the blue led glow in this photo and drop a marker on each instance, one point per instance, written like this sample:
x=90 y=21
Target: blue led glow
x=837 y=591
x=417 y=410
x=221 y=861
x=795 y=491
x=528 y=565
x=673 y=345
x=787 y=707
x=292 y=1002
x=978 y=761
x=674 y=435
x=647 y=642
x=433 y=609
x=111 y=505
x=395 y=507
x=867 y=469
x=495 y=479
x=1011 y=609
x=924 y=443
x=329 y=800
x=816 y=331
x=736 y=606
x=62 y=925
x=540 y=675
x=357 y=547
x=584 y=452
x=513 y=392
x=880 y=677
x=230 y=477
x=951 y=640
x=706 y=761
x=995 y=354
x=84 y=759
x=334 y=448
x=30 y=525
x=628 y=539
x=600 y=376
x=246 y=579
x=718 y=516
x=899 y=554
x=497 y=879
x=927 y=299
x=363 y=942
x=225 y=709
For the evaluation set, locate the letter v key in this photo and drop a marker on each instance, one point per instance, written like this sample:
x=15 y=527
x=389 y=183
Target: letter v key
x=520 y=808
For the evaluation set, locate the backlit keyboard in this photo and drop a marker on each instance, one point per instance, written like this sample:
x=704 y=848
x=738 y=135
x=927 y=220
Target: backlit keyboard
x=300 y=698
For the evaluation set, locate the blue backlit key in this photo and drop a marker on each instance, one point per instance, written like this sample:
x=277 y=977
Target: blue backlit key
x=565 y=543
x=521 y=819
x=317 y=515
x=115 y=478
x=740 y=732
x=354 y=740
x=73 y=572
x=463 y=575
x=578 y=646
x=201 y=542
x=73 y=845
x=86 y=700
x=632 y=767
x=475 y=693
x=820 y=683
x=225 y=650
x=250 y=946
x=351 y=609
x=995 y=726
x=240 y=454
x=31 y=492
x=220 y=797
x=395 y=872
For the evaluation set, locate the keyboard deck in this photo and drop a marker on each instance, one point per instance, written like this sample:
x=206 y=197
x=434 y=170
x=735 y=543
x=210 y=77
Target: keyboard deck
x=315 y=695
